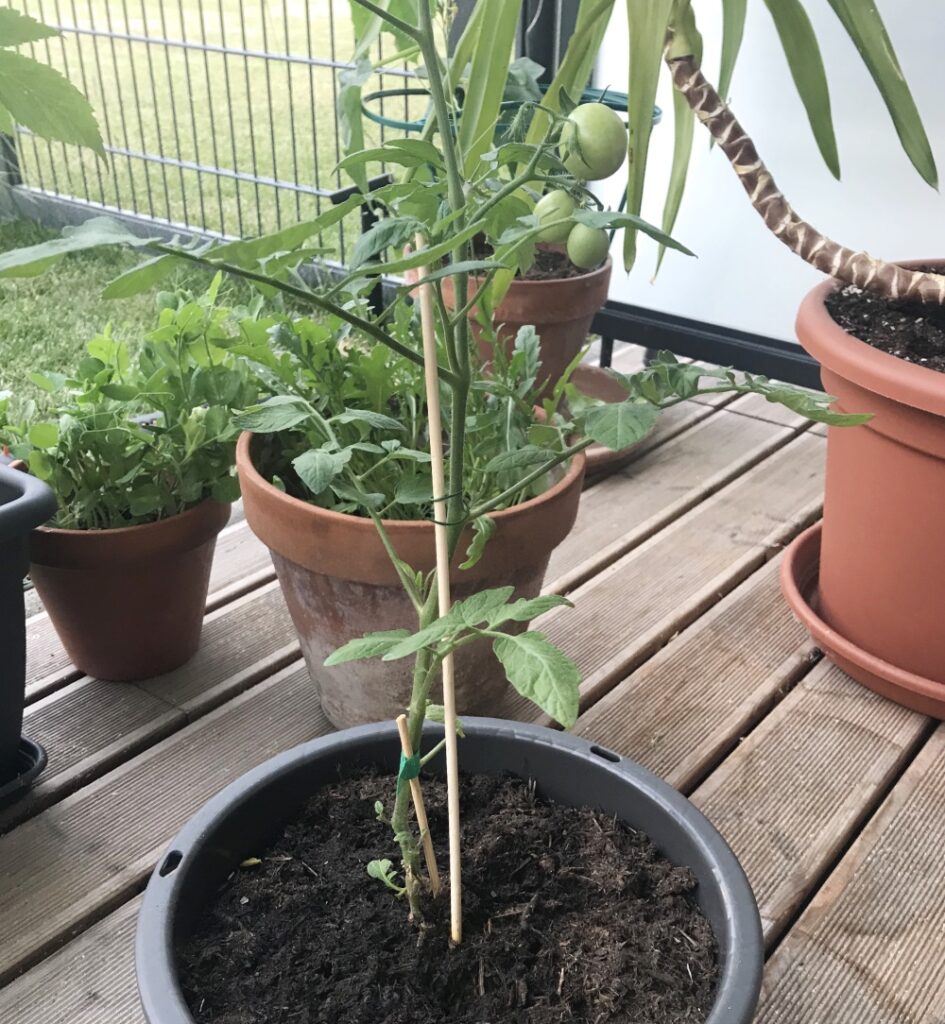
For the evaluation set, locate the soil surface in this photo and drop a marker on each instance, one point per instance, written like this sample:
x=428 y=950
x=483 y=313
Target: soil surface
x=552 y=264
x=910 y=330
x=569 y=916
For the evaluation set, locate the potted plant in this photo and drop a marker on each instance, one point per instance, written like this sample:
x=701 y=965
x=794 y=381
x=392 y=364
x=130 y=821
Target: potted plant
x=869 y=582
x=25 y=503
x=365 y=927
x=140 y=453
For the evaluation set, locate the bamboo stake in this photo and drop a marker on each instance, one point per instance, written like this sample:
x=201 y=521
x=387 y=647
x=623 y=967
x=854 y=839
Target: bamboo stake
x=443 y=591
x=416 y=791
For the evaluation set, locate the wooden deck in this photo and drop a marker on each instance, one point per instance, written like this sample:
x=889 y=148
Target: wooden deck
x=833 y=799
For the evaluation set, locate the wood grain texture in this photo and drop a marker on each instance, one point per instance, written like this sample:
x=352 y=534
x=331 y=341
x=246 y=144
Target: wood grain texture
x=792 y=795
x=682 y=711
x=82 y=858
x=240 y=563
x=90 y=726
x=631 y=505
x=91 y=980
x=869 y=947
x=626 y=613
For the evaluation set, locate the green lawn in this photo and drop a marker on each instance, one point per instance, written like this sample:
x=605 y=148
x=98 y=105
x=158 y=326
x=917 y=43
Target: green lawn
x=46 y=321
x=216 y=109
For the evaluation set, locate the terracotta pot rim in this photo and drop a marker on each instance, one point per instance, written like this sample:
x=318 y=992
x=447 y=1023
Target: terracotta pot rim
x=126 y=545
x=799 y=572
x=394 y=526
x=194 y=512
x=880 y=372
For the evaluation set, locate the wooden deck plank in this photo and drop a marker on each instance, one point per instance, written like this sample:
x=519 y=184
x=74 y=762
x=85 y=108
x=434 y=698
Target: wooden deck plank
x=241 y=563
x=626 y=613
x=794 y=793
x=84 y=857
x=868 y=949
x=90 y=726
x=681 y=712
x=91 y=980
x=627 y=507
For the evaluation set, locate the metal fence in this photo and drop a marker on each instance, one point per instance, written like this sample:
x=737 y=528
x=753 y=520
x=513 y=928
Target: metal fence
x=219 y=116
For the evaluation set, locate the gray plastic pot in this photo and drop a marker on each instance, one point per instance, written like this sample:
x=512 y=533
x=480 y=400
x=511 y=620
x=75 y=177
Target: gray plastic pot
x=251 y=812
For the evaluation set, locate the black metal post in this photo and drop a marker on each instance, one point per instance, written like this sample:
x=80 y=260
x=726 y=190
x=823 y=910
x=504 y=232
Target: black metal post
x=9 y=162
x=369 y=217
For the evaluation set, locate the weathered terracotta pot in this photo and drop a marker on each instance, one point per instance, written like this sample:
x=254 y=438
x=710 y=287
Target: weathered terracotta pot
x=129 y=603
x=882 y=547
x=560 y=310
x=339 y=583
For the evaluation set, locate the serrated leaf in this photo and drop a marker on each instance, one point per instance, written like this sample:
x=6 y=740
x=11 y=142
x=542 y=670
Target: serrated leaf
x=483 y=528
x=373 y=645
x=414 y=490
x=17 y=28
x=437 y=713
x=97 y=231
x=426 y=637
x=527 y=608
x=463 y=267
x=141 y=278
x=317 y=468
x=542 y=674
x=375 y=420
x=281 y=412
x=518 y=458
x=481 y=607
x=620 y=424
x=41 y=99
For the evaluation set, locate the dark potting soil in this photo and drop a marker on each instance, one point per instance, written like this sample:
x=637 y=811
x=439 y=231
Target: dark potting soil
x=568 y=916
x=552 y=264
x=910 y=330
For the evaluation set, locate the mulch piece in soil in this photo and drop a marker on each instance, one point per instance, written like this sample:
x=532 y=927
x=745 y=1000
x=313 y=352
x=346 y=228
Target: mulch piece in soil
x=569 y=916
x=912 y=331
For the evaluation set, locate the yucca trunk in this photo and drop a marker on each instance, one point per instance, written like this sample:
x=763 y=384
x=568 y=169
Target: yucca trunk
x=855 y=268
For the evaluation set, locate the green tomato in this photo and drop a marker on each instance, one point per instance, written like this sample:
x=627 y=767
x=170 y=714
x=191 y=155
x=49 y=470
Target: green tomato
x=554 y=206
x=587 y=247
x=594 y=142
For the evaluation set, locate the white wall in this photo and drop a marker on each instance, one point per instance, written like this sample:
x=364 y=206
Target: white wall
x=744 y=277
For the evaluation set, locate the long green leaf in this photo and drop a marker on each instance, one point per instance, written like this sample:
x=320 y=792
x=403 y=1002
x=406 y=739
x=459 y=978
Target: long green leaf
x=487 y=77
x=576 y=66
x=733 y=29
x=685 y=33
x=865 y=27
x=800 y=46
x=647 y=24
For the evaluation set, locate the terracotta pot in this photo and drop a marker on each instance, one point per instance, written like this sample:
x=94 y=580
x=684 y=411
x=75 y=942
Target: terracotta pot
x=560 y=310
x=882 y=553
x=339 y=583
x=128 y=603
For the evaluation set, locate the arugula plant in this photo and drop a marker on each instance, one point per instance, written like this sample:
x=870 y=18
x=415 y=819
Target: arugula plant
x=131 y=441
x=465 y=205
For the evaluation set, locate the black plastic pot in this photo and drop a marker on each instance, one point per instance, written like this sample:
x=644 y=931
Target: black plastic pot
x=25 y=503
x=251 y=812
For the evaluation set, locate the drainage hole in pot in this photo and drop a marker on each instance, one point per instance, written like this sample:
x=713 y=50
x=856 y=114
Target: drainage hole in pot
x=607 y=755
x=170 y=863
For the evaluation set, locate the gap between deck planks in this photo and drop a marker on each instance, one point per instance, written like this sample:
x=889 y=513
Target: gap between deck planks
x=88 y=854
x=89 y=725
x=670 y=580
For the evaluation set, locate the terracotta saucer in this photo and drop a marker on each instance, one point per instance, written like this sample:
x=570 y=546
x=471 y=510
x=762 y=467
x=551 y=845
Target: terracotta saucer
x=799 y=573
x=596 y=382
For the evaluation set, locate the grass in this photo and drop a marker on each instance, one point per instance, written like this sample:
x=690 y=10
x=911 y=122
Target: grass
x=269 y=117
x=46 y=321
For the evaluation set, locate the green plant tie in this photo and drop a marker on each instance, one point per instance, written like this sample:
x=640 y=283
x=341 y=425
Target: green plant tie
x=409 y=769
